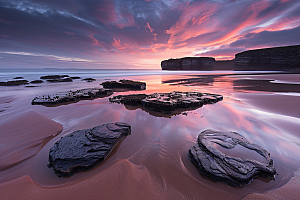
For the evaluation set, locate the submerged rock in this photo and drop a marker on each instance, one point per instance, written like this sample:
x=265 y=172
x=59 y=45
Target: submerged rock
x=37 y=81
x=71 y=96
x=60 y=80
x=236 y=171
x=54 y=76
x=57 y=78
x=19 y=77
x=89 y=79
x=124 y=84
x=83 y=149
x=168 y=101
x=75 y=77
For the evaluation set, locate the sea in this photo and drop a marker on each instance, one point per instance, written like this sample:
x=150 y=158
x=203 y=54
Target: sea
x=261 y=106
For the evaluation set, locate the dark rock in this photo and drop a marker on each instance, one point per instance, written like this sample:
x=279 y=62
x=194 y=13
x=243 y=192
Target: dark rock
x=60 y=80
x=71 y=96
x=75 y=77
x=18 y=77
x=131 y=99
x=57 y=78
x=14 y=83
x=168 y=101
x=89 y=79
x=52 y=77
x=84 y=149
x=189 y=63
x=236 y=171
x=37 y=81
x=285 y=58
x=124 y=84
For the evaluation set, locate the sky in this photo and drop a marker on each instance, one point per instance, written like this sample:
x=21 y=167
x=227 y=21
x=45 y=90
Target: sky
x=110 y=34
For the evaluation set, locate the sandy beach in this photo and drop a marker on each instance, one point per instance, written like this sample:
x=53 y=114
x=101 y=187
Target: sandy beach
x=152 y=162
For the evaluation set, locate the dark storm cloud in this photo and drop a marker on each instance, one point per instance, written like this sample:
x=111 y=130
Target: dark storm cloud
x=269 y=38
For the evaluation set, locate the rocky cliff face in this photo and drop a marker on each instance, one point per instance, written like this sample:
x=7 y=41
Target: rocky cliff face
x=285 y=58
x=189 y=63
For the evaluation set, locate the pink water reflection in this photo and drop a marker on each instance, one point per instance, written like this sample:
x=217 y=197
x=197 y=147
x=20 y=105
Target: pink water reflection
x=161 y=144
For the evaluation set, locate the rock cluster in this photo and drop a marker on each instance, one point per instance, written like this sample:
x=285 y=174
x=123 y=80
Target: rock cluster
x=13 y=83
x=124 y=84
x=168 y=101
x=83 y=149
x=236 y=171
x=63 y=97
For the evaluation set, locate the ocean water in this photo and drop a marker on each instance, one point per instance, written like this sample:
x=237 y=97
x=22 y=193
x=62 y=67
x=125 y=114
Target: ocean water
x=252 y=106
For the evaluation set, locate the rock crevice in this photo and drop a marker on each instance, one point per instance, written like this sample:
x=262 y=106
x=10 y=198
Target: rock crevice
x=236 y=171
x=84 y=149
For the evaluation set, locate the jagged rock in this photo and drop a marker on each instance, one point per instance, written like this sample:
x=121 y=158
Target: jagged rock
x=71 y=96
x=13 y=83
x=124 y=84
x=236 y=171
x=19 y=77
x=84 y=149
x=89 y=79
x=168 y=101
x=37 y=81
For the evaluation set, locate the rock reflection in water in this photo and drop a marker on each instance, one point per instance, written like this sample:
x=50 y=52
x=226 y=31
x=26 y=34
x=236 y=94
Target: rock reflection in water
x=169 y=104
x=158 y=146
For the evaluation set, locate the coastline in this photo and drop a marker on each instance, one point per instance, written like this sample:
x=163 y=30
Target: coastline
x=154 y=157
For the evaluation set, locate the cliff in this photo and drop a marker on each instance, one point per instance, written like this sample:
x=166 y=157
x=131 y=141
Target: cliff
x=189 y=63
x=286 y=58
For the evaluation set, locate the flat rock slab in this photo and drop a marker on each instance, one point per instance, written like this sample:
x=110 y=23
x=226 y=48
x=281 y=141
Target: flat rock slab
x=236 y=171
x=71 y=96
x=84 y=149
x=168 y=101
x=124 y=84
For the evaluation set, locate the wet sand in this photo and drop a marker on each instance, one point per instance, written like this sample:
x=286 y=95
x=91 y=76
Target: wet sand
x=152 y=162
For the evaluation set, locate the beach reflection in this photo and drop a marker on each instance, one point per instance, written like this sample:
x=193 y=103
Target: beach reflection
x=160 y=144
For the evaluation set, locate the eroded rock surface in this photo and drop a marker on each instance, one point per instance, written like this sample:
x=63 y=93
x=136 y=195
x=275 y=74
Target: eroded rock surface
x=168 y=101
x=236 y=171
x=124 y=84
x=83 y=149
x=71 y=96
